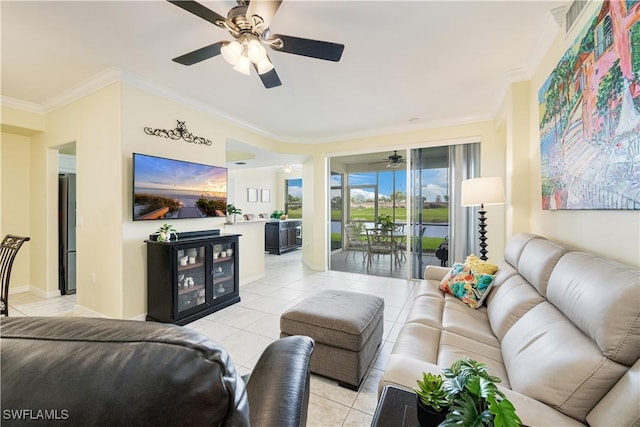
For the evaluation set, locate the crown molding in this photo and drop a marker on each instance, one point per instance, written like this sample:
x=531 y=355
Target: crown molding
x=112 y=75
x=547 y=36
x=19 y=104
x=93 y=84
x=392 y=130
x=172 y=95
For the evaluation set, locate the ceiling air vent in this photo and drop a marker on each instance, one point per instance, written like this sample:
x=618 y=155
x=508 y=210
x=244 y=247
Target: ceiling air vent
x=573 y=13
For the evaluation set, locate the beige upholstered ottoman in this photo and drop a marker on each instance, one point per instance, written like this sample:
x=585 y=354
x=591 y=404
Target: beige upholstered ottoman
x=347 y=327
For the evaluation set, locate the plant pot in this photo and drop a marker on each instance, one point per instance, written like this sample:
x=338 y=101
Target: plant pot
x=427 y=417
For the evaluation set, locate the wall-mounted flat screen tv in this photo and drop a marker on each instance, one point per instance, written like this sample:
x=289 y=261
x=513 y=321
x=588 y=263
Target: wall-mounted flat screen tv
x=166 y=188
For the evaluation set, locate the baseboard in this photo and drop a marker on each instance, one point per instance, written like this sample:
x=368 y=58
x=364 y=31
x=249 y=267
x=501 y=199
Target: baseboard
x=312 y=267
x=34 y=290
x=48 y=294
x=247 y=280
x=87 y=312
x=19 y=289
x=142 y=317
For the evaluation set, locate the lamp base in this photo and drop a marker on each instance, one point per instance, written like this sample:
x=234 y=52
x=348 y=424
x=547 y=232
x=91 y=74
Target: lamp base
x=483 y=232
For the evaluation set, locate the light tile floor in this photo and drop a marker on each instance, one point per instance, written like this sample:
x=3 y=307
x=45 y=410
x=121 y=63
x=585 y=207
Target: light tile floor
x=246 y=328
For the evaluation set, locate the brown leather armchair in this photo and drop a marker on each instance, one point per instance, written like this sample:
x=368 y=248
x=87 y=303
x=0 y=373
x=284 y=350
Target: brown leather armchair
x=98 y=372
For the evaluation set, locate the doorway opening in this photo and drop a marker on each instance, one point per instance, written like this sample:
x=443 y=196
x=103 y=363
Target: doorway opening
x=67 y=272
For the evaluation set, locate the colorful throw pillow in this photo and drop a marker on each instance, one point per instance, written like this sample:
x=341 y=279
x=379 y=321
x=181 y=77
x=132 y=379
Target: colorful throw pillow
x=480 y=266
x=467 y=285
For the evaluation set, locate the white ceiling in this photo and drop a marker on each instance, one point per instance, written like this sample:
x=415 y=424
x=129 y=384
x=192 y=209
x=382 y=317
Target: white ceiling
x=406 y=65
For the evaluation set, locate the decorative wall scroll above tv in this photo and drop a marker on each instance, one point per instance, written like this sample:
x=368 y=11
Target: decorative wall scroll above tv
x=180 y=132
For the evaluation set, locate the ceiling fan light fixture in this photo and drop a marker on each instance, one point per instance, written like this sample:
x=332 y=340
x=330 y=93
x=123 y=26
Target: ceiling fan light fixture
x=394 y=165
x=255 y=51
x=243 y=65
x=264 y=66
x=231 y=52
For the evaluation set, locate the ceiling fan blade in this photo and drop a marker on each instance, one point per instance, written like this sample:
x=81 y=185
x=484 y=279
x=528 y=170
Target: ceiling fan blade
x=311 y=48
x=265 y=9
x=200 y=54
x=200 y=10
x=377 y=163
x=270 y=78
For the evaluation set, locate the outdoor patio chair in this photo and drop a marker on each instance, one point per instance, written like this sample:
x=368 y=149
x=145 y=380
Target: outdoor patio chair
x=354 y=240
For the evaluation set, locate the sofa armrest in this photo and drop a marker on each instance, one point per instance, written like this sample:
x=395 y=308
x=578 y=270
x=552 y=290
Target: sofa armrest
x=433 y=272
x=278 y=387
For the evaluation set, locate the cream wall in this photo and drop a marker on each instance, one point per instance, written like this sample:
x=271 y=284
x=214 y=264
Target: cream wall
x=259 y=178
x=614 y=234
x=94 y=124
x=15 y=182
x=142 y=109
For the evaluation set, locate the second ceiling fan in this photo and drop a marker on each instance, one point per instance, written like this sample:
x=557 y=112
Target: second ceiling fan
x=248 y=23
x=393 y=161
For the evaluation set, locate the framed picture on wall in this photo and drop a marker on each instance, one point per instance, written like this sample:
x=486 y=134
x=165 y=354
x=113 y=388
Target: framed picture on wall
x=265 y=195
x=252 y=194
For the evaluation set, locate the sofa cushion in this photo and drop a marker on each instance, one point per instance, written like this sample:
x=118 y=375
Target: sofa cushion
x=602 y=298
x=514 y=247
x=620 y=406
x=454 y=346
x=427 y=310
x=462 y=320
x=549 y=359
x=466 y=284
x=418 y=341
x=537 y=261
x=509 y=302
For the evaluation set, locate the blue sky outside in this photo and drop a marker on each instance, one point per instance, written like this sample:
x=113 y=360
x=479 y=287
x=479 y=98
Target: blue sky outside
x=156 y=173
x=435 y=183
x=294 y=187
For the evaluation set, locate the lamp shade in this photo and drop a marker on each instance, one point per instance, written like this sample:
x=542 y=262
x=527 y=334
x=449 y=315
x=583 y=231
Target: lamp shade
x=231 y=52
x=483 y=191
x=243 y=65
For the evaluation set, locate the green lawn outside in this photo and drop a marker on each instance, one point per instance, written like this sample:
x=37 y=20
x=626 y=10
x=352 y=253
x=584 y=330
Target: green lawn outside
x=367 y=214
x=294 y=213
x=429 y=244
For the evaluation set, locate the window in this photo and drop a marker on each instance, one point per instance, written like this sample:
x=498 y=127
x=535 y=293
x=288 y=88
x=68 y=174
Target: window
x=635 y=48
x=377 y=193
x=293 y=204
x=336 y=210
x=604 y=36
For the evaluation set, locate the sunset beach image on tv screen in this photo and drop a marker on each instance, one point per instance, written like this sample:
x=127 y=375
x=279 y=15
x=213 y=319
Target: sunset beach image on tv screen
x=165 y=188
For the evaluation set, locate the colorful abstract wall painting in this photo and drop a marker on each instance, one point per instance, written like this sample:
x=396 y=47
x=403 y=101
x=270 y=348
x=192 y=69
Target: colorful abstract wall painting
x=590 y=116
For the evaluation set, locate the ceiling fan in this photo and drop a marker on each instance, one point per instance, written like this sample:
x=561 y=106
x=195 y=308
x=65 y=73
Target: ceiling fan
x=248 y=23
x=393 y=161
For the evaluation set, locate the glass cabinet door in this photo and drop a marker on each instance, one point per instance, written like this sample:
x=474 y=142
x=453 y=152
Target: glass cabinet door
x=223 y=269
x=191 y=280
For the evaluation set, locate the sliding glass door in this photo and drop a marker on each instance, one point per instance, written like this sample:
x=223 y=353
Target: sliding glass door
x=336 y=210
x=430 y=209
x=441 y=230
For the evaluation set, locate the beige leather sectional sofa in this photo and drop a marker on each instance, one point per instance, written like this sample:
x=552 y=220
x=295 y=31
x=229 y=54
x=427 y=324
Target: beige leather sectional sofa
x=560 y=327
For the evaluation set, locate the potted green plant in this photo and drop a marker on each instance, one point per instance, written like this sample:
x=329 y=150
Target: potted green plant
x=385 y=222
x=232 y=211
x=277 y=214
x=433 y=400
x=472 y=395
x=165 y=232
